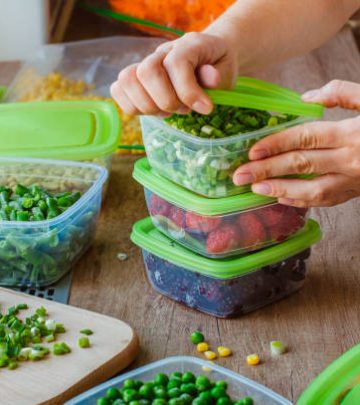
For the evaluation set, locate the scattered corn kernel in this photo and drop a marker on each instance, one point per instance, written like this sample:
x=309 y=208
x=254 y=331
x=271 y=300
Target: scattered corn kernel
x=224 y=351
x=202 y=347
x=210 y=355
x=277 y=348
x=208 y=369
x=253 y=359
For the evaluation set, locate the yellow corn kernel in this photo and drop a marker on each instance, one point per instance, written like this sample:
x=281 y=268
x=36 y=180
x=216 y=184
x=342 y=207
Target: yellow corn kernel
x=202 y=347
x=224 y=351
x=253 y=359
x=210 y=355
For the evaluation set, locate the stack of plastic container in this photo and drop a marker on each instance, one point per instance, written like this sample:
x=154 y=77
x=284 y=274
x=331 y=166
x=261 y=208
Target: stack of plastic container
x=209 y=244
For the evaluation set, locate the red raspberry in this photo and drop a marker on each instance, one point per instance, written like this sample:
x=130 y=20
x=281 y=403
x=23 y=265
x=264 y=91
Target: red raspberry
x=291 y=223
x=199 y=223
x=222 y=240
x=158 y=206
x=177 y=216
x=252 y=231
x=271 y=215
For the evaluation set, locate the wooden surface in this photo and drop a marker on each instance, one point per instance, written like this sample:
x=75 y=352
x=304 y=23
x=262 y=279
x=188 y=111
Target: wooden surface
x=318 y=323
x=56 y=379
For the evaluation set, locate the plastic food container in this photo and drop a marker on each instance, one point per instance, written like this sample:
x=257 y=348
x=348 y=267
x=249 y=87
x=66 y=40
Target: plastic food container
x=227 y=287
x=239 y=386
x=86 y=131
x=216 y=227
x=40 y=253
x=206 y=166
x=339 y=383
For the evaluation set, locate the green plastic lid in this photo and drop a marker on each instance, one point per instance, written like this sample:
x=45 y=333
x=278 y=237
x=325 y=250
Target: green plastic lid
x=146 y=236
x=177 y=195
x=69 y=130
x=261 y=95
x=339 y=383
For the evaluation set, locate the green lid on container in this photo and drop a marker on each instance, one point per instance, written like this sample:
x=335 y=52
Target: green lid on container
x=146 y=236
x=261 y=95
x=339 y=383
x=69 y=130
x=177 y=195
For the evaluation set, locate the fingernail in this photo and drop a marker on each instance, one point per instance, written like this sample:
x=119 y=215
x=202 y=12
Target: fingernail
x=259 y=154
x=310 y=95
x=243 y=178
x=183 y=110
x=201 y=107
x=261 y=188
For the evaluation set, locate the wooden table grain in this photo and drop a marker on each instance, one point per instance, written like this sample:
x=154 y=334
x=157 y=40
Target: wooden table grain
x=318 y=324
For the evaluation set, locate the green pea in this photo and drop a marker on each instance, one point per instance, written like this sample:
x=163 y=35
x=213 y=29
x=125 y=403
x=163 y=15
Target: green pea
x=118 y=402
x=197 y=337
x=202 y=383
x=113 y=393
x=130 y=394
x=147 y=390
x=222 y=384
x=160 y=392
x=245 y=401
x=159 y=401
x=188 y=377
x=174 y=392
x=189 y=388
x=176 y=401
x=161 y=379
x=199 y=401
x=218 y=392
x=174 y=383
x=102 y=401
x=175 y=374
x=136 y=402
x=224 y=401
x=206 y=395
x=186 y=398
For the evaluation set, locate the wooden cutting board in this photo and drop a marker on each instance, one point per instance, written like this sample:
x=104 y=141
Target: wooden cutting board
x=59 y=378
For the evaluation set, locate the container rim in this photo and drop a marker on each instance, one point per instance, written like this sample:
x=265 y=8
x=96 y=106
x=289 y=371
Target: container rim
x=229 y=139
x=173 y=359
x=98 y=182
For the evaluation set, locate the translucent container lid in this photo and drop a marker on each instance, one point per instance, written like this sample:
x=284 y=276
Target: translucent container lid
x=239 y=386
x=175 y=194
x=71 y=130
x=339 y=383
x=146 y=236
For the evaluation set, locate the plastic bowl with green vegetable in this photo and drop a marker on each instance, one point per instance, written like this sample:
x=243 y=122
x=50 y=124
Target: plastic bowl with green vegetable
x=39 y=244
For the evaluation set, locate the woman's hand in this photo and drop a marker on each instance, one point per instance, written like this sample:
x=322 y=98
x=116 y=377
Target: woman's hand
x=331 y=149
x=170 y=79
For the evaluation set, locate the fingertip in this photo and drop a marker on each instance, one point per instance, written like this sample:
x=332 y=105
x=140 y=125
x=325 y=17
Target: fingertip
x=202 y=107
x=209 y=76
x=311 y=96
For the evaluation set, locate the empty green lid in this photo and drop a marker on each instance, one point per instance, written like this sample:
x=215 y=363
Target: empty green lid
x=338 y=384
x=146 y=236
x=69 y=130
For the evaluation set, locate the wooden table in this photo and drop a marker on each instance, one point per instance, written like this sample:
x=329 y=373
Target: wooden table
x=318 y=323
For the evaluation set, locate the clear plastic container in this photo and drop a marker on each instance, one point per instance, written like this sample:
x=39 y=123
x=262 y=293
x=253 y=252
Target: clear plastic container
x=239 y=386
x=204 y=166
x=228 y=287
x=40 y=253
x=216 y=228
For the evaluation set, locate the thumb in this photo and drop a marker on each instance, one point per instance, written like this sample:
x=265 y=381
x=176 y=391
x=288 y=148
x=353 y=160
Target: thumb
x=337 y=93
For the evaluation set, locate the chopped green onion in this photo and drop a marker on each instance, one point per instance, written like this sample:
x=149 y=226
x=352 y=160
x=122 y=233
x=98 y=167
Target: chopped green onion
x=84 y=342
x=87 y=332
x=277 y=348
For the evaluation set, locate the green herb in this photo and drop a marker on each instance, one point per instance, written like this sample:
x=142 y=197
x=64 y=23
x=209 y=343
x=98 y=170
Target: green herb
x=84 y=342
x=87 y=332
x=60 y=349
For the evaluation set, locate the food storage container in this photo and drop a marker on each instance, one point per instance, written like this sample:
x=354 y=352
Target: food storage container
x=66 y=130
x=224 y=287
x=239 y=386
x=40 y=253
x=205 y=165
x=339 y=383
x=216 y=227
